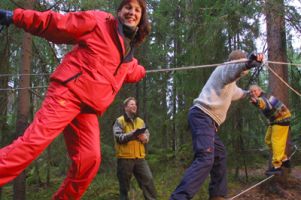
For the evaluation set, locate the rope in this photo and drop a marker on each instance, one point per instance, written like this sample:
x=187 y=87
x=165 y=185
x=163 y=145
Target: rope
x=17 y=75
x=211 y=65
x=182 y=68
x=148 y=71
x=283 y=63
x=165 y=70
x=264 y=180
x=36 y=94
x=24 y=88
x=250 y=188
x=283 y=81
x=296 y=149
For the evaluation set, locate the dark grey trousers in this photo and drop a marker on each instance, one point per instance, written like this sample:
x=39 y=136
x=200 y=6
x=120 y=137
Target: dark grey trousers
x=139 y=167
x=209 y=158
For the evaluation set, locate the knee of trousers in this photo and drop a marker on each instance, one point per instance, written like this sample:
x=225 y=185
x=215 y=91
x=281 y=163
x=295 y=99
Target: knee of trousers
x=92 y=161
x=87 y=165
x=205 y=158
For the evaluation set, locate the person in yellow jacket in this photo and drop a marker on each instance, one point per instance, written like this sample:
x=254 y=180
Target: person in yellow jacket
x=131 y=135
x=278 y=130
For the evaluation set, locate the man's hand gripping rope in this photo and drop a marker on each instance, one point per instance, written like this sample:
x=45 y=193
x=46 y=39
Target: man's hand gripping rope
x=255 y=60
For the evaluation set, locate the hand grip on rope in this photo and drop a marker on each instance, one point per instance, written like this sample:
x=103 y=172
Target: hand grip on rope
x=259 y=57
x=254 y=60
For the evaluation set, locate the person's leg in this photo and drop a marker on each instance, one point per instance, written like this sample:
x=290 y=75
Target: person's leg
x=218 y=184
x=268 y=137
x=203 y=133
x=288 y=151
x=83 y=145
x=57 y=111
x=124 y=174
x=289 y=144
x=279 y=140
x=144 y=177
x=268 y=142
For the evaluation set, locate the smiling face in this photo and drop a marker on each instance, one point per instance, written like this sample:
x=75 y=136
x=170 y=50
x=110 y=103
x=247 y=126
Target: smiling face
x=130 y=14
x=255 y=91
x=131 y=107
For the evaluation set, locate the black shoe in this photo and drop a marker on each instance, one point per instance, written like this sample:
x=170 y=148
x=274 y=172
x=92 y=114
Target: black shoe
x=274 y=171
x=286 y=164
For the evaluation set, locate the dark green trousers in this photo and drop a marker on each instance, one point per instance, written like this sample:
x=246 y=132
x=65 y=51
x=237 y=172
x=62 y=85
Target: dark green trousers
x=140 y=169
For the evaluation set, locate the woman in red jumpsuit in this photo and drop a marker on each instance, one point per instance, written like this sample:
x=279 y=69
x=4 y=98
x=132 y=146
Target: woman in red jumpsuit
x=81 y=87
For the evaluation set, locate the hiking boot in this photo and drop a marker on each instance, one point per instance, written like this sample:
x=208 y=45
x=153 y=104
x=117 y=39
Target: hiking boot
x=274 y=171
x=286 y=164
x=217 y=198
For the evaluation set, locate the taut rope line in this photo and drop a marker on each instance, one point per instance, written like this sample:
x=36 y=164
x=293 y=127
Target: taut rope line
x=283 y=63
x=162 y=70
x=283 y=81
x=165 y=70
x=264 y=180
x=250 y=188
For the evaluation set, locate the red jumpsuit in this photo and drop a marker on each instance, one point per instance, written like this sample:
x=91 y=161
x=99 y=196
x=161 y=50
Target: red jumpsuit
x=82 y=86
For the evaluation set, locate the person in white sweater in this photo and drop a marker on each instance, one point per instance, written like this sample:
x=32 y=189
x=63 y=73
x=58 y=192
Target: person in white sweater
x=208 y=112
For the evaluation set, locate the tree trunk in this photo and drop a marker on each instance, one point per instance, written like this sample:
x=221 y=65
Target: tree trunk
x=276 y=40
x=4 y=62
x=23 y=112
x=23 y=104
x=165 y=132
x=174 y=113
x=175 y=83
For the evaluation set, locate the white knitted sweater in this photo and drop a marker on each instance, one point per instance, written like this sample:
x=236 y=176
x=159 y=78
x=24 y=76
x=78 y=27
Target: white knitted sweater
x=220 y=89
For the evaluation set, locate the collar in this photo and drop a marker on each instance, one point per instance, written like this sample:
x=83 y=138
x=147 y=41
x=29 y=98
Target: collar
x=127 y=118
x=128 y=42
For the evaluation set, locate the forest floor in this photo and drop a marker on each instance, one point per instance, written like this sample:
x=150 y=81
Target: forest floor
x=167 y=176
x=277 y=188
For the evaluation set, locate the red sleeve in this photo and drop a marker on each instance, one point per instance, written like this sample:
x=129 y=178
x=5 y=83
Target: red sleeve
x=53 y=26
x=135 y=73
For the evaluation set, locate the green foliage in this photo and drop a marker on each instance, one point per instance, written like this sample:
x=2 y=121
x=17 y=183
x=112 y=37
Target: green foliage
x=184 y=33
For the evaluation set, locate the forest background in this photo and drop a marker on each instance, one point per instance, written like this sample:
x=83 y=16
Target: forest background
x=184 y=33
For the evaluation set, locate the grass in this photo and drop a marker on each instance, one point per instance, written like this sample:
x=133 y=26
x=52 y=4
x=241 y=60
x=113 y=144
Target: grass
x=167 y=175
x=105 y=186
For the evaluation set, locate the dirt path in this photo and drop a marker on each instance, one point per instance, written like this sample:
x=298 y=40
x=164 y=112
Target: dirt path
x=276 y=188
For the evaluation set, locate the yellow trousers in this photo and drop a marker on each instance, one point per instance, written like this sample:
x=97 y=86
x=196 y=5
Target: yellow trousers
x=276 y=139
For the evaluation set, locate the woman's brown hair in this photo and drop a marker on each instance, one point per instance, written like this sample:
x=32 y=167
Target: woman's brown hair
x=144 y=25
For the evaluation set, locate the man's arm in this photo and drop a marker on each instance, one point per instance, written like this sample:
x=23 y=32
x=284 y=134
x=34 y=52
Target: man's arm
x=262 y=103
x=144 y=138
x=233 y=71
x=240 y=93
x=238 y=68
x=120 y=136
